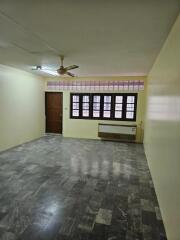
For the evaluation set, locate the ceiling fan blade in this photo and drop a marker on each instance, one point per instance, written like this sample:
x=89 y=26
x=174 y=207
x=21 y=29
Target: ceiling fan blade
x=71 y=67
x=70 y=74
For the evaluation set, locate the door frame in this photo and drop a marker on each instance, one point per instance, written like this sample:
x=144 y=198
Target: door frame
x=46 y=92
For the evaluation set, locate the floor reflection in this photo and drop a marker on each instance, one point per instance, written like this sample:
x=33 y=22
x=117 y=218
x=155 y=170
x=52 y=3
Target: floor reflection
x=57 y=188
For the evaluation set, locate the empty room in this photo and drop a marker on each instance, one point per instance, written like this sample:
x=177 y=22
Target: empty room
x=89 y=120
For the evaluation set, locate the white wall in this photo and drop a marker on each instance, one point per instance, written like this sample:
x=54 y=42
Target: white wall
x=22 y=115
x=162 y=131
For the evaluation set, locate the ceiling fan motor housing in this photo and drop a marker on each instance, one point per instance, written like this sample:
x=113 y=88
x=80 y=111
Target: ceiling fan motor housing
x=61 y=70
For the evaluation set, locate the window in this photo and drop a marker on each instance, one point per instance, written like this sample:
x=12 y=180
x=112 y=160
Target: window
x=121 y=107
x=75 y=107
x=130 y=107
x=118 y=107
x=96 y=106
x=85 y=106
x=107 y=106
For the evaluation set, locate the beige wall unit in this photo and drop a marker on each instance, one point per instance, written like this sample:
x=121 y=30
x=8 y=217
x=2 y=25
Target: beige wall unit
x=21 y=107
x=162 y=130
x=117 y=132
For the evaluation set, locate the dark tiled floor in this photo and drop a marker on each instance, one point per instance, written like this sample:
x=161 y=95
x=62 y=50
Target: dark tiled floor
x=63 y=189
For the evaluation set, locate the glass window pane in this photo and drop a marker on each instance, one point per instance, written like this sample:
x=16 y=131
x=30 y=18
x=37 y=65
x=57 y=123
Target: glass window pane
x=107 y=106
x=85 y=113
x=85 y=106
x=85 y=98
x=75 y=113
x=130 y=115
x=118 y=107
x=107 y=99
x=96 y=106
x=118 y=114
x=75 y=98
x=96 y=98
x=130 y=107
x=75 y=105
x=130 y=99
x=119 y=99
x=106 y=114
x=96 y=114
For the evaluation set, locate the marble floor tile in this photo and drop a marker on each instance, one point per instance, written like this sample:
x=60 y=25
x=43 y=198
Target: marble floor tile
x=147 y=205
x=59 y=188
x=158 y=213
x=104 y=216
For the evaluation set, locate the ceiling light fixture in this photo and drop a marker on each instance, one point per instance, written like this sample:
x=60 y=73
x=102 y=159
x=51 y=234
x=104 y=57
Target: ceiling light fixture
x=45 y=70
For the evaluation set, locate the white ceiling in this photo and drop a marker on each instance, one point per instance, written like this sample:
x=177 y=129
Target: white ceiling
x=103 y=37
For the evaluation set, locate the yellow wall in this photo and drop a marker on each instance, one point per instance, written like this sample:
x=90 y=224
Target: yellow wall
x=21 y=107
x=162 y=130
x=89 y=128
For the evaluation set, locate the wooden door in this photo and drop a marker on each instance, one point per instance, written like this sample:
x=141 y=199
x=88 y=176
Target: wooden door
x=53 y=112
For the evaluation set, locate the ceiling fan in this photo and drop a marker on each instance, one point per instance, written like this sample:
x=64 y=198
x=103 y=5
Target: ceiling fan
x=61 y=70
